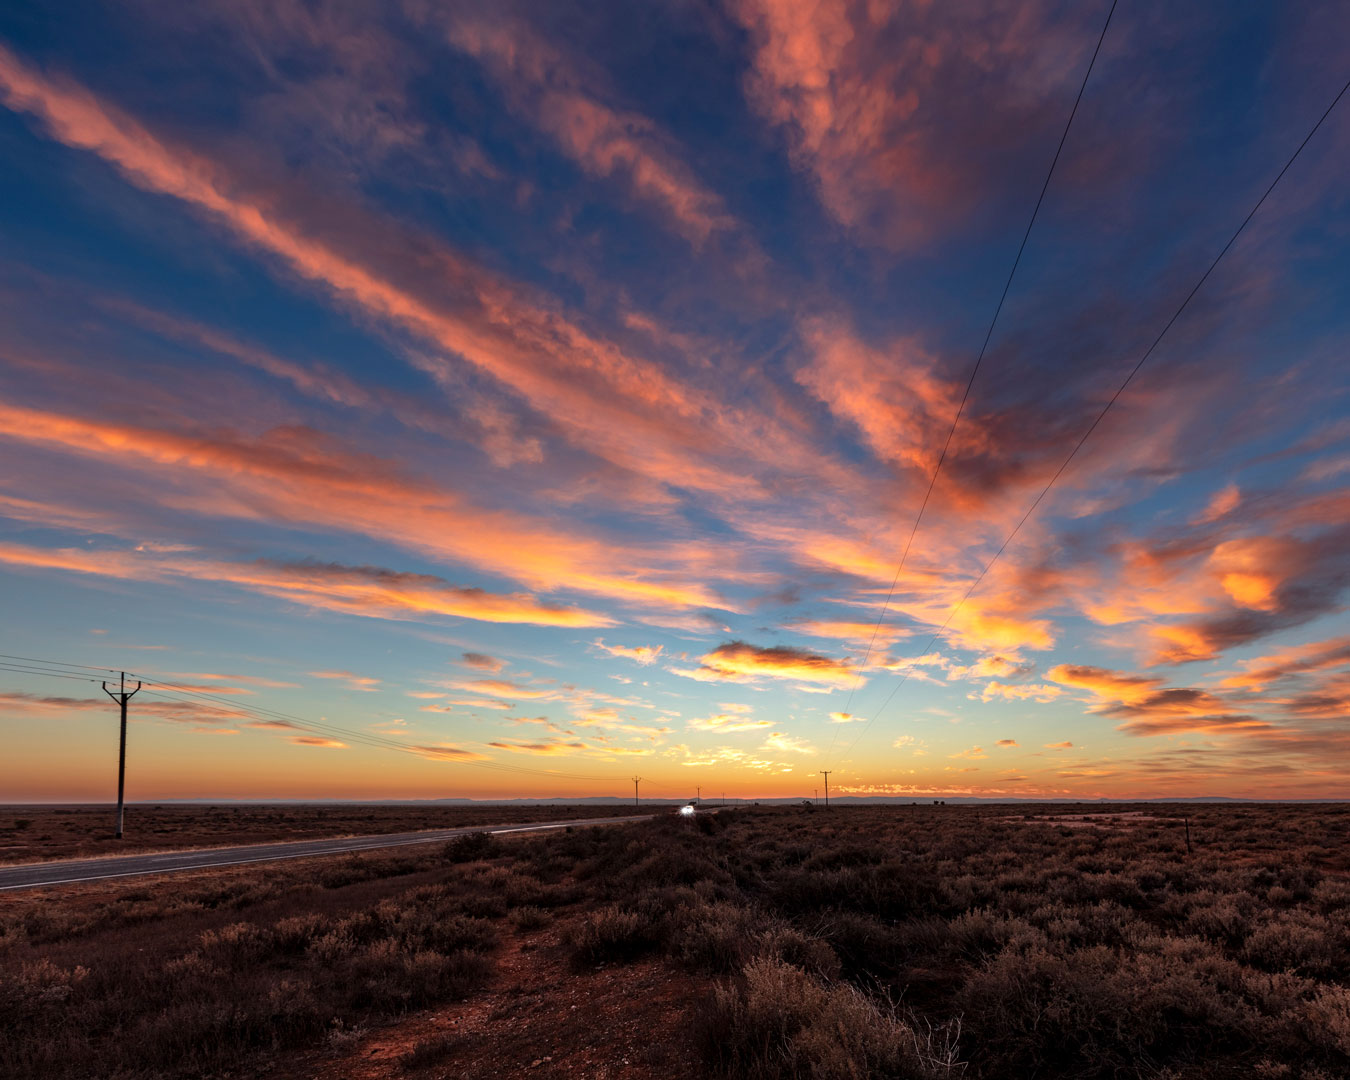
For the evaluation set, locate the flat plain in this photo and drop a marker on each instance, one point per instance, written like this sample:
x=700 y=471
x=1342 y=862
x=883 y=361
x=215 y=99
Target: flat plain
x=764 y=942
x=35 y=833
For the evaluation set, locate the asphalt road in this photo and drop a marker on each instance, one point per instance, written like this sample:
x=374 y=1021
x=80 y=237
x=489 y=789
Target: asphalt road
x=39 y=875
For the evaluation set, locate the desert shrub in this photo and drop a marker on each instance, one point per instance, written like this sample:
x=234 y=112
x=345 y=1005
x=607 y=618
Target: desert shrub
x=1329 y=1019
x=790 y=946
x=393 y=979
x=609 y=934
x=1295 y=941
x=863 y=944
x=471 y=847
x=1078 y=953
x=714 y=938
x=1220 y=917
x=1094 y=1012
x=777 y=1021
x=973 y=934
x=530 y=918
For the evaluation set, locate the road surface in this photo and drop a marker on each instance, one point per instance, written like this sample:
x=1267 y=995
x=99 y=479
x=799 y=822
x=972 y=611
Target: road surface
x=39 y=875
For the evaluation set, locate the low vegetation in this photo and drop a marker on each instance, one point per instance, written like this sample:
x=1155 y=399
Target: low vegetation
x=905 y=942
x=32 y=833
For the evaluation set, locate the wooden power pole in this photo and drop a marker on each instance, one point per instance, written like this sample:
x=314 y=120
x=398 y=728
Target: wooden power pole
x=121 y=696
x=826 y=773
x=636 y=780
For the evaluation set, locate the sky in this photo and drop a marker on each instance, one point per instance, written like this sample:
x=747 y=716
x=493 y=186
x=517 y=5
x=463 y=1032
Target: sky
x=510 y=400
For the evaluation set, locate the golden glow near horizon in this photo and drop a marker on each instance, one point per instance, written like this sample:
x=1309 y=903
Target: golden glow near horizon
x=566 y=419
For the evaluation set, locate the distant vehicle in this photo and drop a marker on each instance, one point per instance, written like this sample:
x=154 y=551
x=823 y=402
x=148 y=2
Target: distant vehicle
x=687 y=811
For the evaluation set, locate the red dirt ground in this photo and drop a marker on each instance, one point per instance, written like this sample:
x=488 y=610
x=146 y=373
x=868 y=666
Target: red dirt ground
x=539 y=1018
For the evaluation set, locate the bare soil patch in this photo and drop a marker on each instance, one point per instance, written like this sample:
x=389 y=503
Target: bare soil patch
x=539 y=1018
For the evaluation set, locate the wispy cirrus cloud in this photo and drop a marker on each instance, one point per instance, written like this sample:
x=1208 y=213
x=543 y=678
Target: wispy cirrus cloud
x=569 y=103
x=300 y=476
x=872 y=101
x=350 y=679
x=727 y=722
x=318 y=740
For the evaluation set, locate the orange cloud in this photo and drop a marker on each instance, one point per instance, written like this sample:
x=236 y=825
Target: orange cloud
x=989 y=666
x=356 y=590
x=642 y=654
x=445 y=752
x=787 y=744
x=1104 y=682
x=872 y=100
x=317 y=740
x=503 y=688
x=627 y=411
x=352 y=680
x=547 y=747
x=737 y=661
x=891 y=395
x=1222 y=503
x=995 y=690
x=244 y=680
x=468 y=703
x=1261 y=671
x=1006 y=743
x=1149 y=708
x=727 y=722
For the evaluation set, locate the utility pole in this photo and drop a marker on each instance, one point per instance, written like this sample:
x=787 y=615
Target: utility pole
x=122 y=696
x=826 y=773
x=636 y=780
x=698 y=797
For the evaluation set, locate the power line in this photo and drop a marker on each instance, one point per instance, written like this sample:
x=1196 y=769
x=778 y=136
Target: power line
x=57 y=663
x=1114 y=398
x=974 y=371
x=190 y=695
x=23 y=670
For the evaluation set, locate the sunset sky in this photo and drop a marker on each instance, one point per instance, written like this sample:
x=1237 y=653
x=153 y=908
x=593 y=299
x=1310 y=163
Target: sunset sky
x=521 y=397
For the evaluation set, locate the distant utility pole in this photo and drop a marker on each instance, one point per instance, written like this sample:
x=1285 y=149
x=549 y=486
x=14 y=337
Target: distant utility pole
x=636 y=781
x=698 y=797
x=121 y=696
x=826 y=773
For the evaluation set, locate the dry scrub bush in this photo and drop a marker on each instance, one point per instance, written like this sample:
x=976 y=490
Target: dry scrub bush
x=1068 y=953
x=471 y=847
x=778 y=1022
x=530 y=918
x=231 y=991
x=610 y=934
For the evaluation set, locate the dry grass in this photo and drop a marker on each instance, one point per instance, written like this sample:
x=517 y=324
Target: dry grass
x=35 y=833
